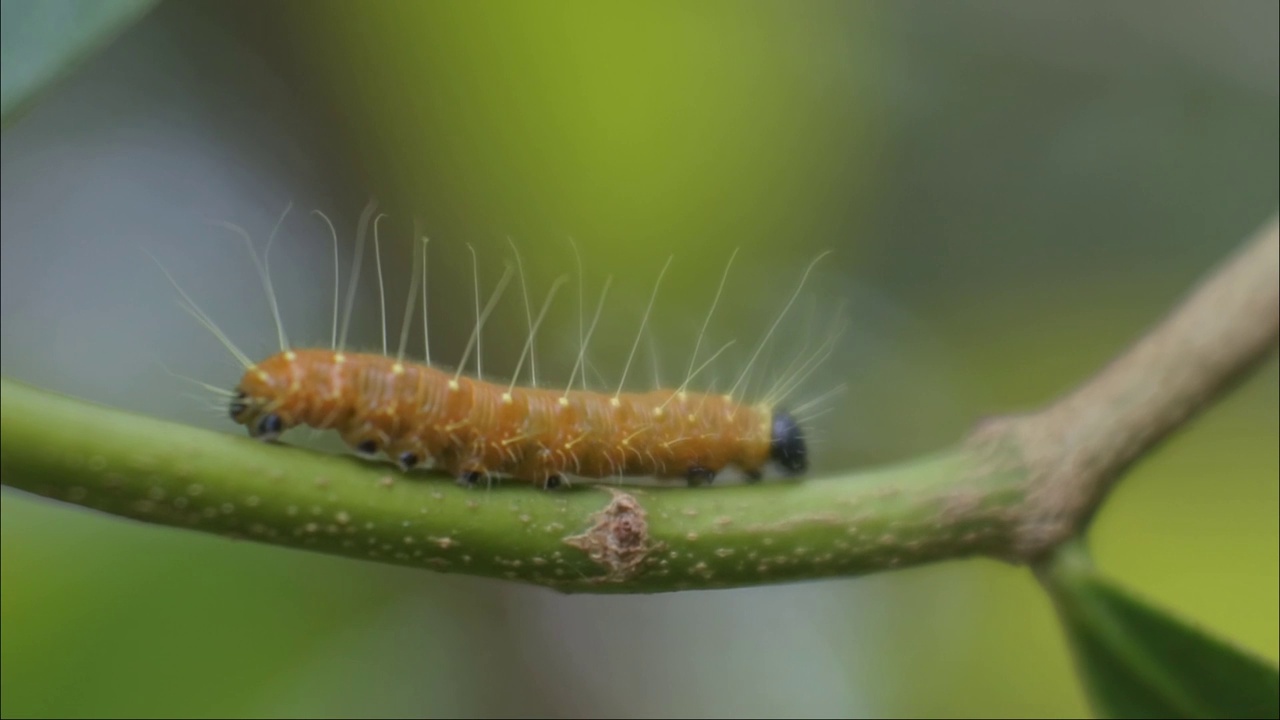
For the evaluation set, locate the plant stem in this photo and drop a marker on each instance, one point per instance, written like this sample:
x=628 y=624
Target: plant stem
x=1018 y=487
x=1078 y=446
x=600 y=539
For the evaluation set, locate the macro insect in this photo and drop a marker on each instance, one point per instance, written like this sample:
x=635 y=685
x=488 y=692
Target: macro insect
x=417 y=414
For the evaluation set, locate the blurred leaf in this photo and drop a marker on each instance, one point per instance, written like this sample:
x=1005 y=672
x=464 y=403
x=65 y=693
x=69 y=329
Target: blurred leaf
x=1137 y=661
x=42 y=40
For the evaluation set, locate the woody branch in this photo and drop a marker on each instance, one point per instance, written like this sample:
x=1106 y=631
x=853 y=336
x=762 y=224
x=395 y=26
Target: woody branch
x=1017 y=487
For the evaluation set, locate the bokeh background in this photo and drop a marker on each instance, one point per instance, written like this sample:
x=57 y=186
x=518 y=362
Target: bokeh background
x=1012 y=192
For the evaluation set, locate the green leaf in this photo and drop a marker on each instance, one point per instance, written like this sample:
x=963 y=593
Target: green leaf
x=1138 y=661
x=42 y=40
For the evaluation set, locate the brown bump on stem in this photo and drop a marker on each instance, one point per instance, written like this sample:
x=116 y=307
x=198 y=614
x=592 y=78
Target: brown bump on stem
x=619 y=538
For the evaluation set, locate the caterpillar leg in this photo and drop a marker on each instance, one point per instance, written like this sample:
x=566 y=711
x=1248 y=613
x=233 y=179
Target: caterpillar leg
x=367 y=443
x=754 y=476
x=555 y=481
x=470 y=478
x=408 y=460
x=699 y=475
x=367 y=449
x=268 y=428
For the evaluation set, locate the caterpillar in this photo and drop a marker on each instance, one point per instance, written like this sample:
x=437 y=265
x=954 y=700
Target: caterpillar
x=417 y=414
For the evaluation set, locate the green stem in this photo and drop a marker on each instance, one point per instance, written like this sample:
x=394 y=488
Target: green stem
x=588 y=539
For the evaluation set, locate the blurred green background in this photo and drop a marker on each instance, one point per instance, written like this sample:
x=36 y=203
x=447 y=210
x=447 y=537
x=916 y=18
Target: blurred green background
x=1012 y=191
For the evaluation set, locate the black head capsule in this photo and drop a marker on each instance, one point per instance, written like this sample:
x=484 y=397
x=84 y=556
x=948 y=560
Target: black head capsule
x=238 y=406
x=787 y=446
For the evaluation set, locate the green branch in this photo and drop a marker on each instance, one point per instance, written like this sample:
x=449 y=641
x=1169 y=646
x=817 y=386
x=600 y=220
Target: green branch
x=598 y=538
x=1020 y=486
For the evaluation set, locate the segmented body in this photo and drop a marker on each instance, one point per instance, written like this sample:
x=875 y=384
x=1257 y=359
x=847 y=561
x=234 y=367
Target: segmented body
x=414 y=413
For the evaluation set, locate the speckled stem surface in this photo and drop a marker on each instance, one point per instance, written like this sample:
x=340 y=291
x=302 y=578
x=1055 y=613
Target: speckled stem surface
x=602 y=538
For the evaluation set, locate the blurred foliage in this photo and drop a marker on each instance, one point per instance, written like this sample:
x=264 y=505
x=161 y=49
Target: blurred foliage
x=1014 y=192
x=44 y=39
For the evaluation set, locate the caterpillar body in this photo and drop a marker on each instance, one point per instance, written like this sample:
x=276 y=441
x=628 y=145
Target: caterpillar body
x=418 y=415
x=471 y=429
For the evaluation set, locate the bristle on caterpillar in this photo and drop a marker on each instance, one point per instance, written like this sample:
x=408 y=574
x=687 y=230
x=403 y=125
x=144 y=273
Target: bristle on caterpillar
x=417 y=415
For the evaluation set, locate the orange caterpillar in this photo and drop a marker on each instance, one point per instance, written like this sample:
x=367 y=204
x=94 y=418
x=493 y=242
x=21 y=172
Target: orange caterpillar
x=471 y=428
x=416 y=414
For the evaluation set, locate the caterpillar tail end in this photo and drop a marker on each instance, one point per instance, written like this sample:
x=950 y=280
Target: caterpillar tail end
x=787 y=446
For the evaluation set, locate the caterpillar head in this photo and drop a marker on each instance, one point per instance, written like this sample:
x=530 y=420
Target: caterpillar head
x=260 y=400
x=252 y=413
x=787 y=447
x=256 y=402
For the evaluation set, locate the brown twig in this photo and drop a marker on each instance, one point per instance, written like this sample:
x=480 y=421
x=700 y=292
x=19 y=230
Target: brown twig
x=1077 y=447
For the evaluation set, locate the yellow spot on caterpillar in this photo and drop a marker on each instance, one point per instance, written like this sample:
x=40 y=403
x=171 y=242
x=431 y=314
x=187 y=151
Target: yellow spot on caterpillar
x=564 y=402
x=262 y=376
x=658 y=412
x=290 y=356
x=397 y=369
x=453 y=385
x=615 y=402
x=339 y=358
x=506 y=398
